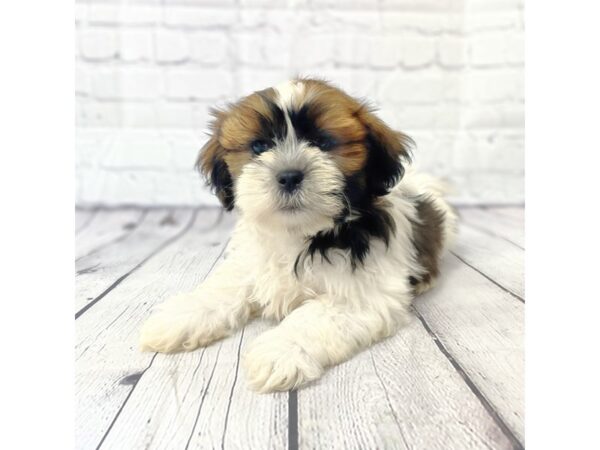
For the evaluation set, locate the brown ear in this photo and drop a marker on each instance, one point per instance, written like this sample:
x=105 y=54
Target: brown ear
x=211 y=163
x=388 y=150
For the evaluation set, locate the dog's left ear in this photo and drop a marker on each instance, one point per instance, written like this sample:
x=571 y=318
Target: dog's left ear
x=211 y=163
x=388 y=150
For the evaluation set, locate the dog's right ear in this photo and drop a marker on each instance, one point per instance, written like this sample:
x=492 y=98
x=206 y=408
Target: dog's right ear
x=211 y=163
x=388 y=151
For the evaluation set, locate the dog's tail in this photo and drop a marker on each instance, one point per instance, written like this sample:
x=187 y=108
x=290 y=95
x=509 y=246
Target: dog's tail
x=437 y=190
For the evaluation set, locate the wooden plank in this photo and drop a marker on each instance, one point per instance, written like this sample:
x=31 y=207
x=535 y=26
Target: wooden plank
x=109 y=226
x=251 y=420
x=482 y=327
x=83 y=218
x=487 y=221
x=493 y=257
x=199 y=400
x=97 y=272
x=108 y=362
x=403 y=393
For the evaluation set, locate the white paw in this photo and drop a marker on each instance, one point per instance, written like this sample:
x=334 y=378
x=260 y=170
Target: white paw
x=181 y=324
x=274 y=363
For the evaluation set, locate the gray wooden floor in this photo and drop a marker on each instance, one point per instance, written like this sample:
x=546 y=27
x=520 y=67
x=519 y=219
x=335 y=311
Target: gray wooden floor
x=452 y=379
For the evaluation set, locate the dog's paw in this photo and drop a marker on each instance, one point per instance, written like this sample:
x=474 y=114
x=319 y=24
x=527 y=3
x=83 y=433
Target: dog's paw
x=273 y=363
x=180 y=325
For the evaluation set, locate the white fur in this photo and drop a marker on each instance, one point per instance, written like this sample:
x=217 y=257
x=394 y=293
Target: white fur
x=329 y=311
x=327 y=315
x=258 y=197
x=288 y=92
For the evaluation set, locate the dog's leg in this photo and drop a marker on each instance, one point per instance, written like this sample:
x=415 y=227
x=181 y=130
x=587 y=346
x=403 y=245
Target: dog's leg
x=212 y=311
x=316 y=335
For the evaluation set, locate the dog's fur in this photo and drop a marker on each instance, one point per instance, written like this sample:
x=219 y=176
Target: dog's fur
x=336 y=261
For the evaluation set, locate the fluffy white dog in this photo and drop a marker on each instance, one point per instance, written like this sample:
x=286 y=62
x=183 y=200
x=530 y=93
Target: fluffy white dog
x=334 y=237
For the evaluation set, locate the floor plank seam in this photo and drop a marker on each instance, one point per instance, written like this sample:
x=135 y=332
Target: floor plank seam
x=118 y=239
x=156 y=251
x=237 y=369
x=137 y=380
x=293 y=437
x=218 y=221
x=99 y=333
x=471 y=385
x=187 y=445
x=518 y=297
x=496 y=415
x=491 y=233
x=187 y=391
x=387 y=397
x=217 y=259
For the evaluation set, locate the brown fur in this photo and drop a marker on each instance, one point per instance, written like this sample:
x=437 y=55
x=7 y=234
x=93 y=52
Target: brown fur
x=395 y=142
x=347 y=120
x=212 y=150
x=336 y=112
x=428 y=241
x=243 y=120
x=350 y=121
x=232 y=130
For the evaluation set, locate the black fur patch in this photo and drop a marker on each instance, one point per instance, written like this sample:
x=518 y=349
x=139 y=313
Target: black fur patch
x=381 y=172
x=306 y=129
x=220 y=179
x=382 y=169
x=354 y=236
x=303 y=123
x=273 y=126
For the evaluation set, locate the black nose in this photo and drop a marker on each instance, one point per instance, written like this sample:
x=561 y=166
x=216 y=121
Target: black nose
x=290 y=180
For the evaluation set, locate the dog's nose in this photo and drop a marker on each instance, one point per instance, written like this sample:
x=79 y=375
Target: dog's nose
x=290 y=180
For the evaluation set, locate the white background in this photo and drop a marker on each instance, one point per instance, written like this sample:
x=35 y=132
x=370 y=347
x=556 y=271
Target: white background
x=447 y=72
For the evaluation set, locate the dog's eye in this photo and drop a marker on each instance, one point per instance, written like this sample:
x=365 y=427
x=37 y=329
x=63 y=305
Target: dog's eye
x=325 y=142
x=259 y=146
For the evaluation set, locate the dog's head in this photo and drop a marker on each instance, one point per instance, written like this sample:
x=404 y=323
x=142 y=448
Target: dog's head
x=301 y=155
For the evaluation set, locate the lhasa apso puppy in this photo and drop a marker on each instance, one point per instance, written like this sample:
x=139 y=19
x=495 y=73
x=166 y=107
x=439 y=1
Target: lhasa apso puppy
x=335 y=236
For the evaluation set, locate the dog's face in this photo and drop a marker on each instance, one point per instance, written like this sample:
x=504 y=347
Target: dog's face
x=302 y=155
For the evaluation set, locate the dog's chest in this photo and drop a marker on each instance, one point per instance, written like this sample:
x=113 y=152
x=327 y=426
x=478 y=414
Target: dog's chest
x=277 y=289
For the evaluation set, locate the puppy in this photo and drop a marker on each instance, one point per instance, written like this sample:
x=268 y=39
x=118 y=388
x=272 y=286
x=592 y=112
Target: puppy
x=335 y=237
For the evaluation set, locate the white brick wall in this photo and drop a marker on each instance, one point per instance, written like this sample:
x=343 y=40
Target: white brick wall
x=447 y=72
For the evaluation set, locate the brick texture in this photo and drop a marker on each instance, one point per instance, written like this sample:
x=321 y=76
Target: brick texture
x=447 y=72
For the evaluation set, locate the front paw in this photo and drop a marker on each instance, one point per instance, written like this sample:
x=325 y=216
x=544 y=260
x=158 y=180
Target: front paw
x=275 y=363
x=180 y=324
